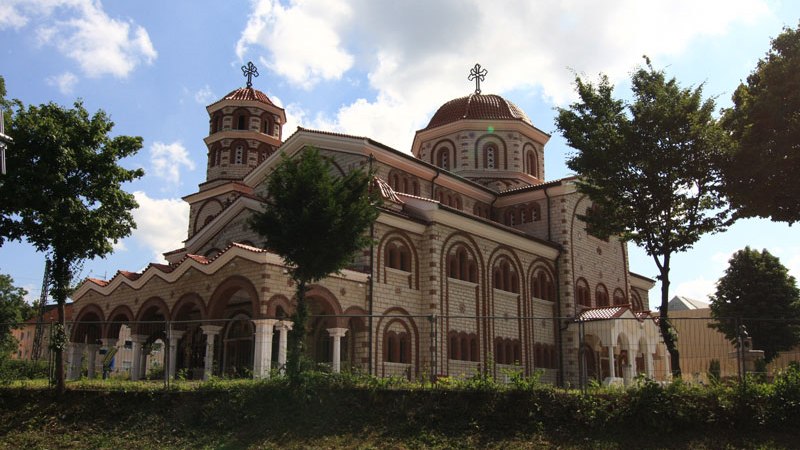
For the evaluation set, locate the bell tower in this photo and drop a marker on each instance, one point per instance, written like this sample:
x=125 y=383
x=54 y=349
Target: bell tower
x=244 y=129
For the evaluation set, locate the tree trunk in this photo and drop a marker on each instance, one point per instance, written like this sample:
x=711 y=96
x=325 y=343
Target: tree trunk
x=61 y=279
x=297 y=335
x=668 y=332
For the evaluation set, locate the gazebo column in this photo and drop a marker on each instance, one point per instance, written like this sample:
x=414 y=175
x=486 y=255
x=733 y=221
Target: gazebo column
x=137 y=358
x=284 y=326
x=174 y=337
x=210 y=331
x=337 y=334
x=91 y=363
x=262 y=358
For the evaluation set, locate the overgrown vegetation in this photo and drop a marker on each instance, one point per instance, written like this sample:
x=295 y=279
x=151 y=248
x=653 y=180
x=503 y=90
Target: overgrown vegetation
x=346 y=410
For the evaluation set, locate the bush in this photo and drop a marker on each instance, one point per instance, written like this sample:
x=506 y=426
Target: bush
x=20 y=369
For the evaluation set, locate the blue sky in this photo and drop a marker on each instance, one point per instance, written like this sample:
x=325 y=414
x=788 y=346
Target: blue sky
x=375 y=68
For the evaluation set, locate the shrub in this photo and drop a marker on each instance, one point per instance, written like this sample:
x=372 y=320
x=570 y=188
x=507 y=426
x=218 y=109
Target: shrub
x=20 y=369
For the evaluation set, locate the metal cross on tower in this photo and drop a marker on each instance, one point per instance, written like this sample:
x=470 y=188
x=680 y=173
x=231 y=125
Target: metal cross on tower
x=477 y=73
x=250 y=71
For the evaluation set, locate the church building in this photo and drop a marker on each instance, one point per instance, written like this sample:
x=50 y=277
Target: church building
x=479 y=263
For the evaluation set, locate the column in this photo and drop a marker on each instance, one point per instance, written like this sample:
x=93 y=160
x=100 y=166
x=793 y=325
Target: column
x=284 y=326
x=611 y=364
x=337 y=334
x=174 y=337
x=210 y=331
x=91 y=363
x=137 y=340
x=77 y=360
x=648 y=363
x=262 y=356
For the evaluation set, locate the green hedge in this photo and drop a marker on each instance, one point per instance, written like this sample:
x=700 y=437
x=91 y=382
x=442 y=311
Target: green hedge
x=18 y=369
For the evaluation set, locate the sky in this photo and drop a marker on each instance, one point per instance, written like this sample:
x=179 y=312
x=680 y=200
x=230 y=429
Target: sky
x=373 y=68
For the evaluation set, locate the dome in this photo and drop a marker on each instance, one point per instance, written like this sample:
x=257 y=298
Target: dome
x=248 y=93
x=477 y=107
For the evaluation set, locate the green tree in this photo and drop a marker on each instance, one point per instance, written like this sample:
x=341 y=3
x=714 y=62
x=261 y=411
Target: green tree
x=650 y=167
x=62 y=192
x=316 y=221
x=758 y=292
x=13 y=311
x=761 y=177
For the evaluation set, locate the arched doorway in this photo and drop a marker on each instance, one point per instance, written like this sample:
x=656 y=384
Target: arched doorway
x=187 y=318
x=232 y=307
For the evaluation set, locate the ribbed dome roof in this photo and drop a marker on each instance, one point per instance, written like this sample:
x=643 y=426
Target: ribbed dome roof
x=477 y=107
x=248 y=93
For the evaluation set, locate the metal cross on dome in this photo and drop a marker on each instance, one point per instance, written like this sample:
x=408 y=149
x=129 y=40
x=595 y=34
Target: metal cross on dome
x=477 y=73
x=250 y=71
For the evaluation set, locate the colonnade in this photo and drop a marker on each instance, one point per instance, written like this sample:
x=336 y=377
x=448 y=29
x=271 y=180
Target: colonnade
x=262 y=350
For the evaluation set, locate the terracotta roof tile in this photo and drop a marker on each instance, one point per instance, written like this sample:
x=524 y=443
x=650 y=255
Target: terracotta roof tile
x=248 y=94
x=98 y=281
x=129 y=275
x=602 y=313
x=198 y=258
x=477 y=107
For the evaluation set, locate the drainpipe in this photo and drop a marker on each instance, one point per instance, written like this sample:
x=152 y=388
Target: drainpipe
x=433 y=184
x=549 y=223
x=371 y=277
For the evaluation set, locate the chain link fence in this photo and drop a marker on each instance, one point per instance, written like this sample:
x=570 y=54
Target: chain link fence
x=559 y=351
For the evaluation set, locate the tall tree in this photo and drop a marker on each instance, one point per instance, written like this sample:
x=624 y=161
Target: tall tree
x=650 y=167
x=758 y=292
x=13 y=310
x=761 y=178
x=316 y=221
x=63 y=193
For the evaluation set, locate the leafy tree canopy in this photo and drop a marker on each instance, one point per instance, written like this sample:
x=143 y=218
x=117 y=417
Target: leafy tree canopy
x=650 y=167
x=13 y=310
x=761 y=178
x=316 y=221
x=758 y=292
x=62 y=192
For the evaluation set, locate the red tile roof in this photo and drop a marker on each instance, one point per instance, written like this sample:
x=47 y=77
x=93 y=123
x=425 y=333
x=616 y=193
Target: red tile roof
x=248 y=94
x=477 y=107
x=602 y=313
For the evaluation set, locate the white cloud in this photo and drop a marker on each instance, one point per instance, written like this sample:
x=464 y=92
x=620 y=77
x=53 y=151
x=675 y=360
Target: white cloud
x=204 y=96
x=82 y=31
x=399 y=43
x=161 y=224
x=697 y=289
x=303 y=39
x=167 y=160
x=65 y=82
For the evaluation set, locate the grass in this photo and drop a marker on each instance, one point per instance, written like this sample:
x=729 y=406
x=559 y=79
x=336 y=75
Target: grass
x=354 y=412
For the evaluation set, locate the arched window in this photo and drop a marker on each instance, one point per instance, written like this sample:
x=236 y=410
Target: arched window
x=619 y=297
x=543 y=287
x=461 y=265
x=582 y=295
x=510 y=217
x=239 y=154
x=534 y=212
x=443 y=158
x=240 y=122
x=216 y=123
x=601 y=295
x=505 y=278
x=266 y=124
x=397 y=347
x=463 y=346
x=490 y=156
x=530 y=163
x=636 y=302
x=398 y=256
